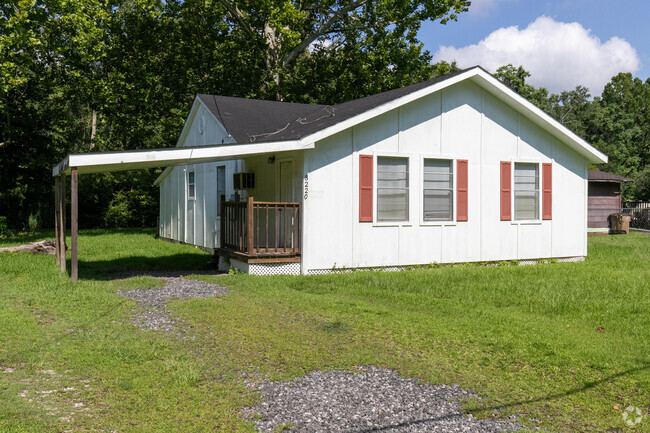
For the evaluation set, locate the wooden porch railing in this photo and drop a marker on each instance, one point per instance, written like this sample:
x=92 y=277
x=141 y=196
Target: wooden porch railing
x=259 y=229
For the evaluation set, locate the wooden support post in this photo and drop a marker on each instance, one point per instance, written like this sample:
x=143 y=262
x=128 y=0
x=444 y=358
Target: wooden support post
x=74 y=223
x=62 y=222
x=57 y=239
x=251 y=230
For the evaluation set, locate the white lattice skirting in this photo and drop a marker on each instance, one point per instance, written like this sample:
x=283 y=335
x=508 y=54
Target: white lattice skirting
x=261 y=268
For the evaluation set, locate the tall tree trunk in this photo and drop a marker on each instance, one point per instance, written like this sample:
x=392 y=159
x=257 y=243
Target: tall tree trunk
x=93 y=129
x=273 y=57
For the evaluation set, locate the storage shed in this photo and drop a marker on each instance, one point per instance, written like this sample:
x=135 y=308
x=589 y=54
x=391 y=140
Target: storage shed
x=604 y=199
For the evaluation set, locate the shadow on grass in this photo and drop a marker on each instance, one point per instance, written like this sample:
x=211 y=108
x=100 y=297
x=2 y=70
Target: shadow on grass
x=504 y=406
x=16 y=239
x=585 y=387
x=173 y=265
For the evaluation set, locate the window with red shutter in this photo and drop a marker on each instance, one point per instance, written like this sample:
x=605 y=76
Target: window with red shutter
x=438 y=190
x=547 y=191
x=506 y=180
x=365 y=188
x=461 y=190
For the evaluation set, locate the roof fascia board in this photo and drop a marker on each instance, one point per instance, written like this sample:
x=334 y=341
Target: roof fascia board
x=539 y=117
x=118 y=161
x=162 y=176
x=377 y=111
x=485 y=80
x=61 y=167
x=188 y=121
x=190 y=118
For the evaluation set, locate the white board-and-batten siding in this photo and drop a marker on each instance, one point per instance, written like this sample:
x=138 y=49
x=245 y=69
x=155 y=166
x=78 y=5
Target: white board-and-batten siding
x=463 y=121
x=194 y=220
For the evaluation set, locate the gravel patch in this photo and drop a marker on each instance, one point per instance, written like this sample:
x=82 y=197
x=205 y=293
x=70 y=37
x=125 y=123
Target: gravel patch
x=374 y=400
x=153 y=314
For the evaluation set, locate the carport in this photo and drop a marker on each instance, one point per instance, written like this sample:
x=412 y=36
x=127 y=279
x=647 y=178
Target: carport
x=97 y=162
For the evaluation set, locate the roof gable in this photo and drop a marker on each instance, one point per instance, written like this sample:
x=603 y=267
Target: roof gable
x=250 y=120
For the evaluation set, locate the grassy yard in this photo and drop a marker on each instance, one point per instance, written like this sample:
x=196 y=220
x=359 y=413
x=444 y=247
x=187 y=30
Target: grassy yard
x=564 y=345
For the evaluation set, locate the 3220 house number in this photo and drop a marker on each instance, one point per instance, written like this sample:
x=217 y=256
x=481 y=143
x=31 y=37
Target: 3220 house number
x=306 y=187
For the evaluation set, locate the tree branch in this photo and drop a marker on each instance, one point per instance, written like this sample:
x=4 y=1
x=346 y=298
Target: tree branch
x=236 y=14
x=324 y=29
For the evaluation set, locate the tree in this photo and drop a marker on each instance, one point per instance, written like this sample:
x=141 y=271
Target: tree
x=282 y=31
x=621 y=126
x=515 y=78
x=97 y=75
x=572 y=108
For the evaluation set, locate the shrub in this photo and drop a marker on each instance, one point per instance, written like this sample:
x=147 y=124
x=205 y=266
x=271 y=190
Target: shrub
x=32 y=222
x=128 y=209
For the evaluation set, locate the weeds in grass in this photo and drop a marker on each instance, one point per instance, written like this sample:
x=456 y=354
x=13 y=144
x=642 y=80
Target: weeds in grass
x=525 y=338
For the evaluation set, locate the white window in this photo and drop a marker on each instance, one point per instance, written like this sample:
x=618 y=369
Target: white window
x=221 y=187
x=191 y=186
x=438 y=190
x=392 y=189
x=526 y=191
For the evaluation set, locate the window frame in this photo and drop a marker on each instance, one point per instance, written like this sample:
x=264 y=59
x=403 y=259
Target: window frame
x=538 y=219
x=454 y=167
x=191 y=186
x=409 y=166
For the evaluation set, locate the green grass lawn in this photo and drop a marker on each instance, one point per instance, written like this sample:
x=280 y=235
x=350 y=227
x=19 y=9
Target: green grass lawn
x=561 y=344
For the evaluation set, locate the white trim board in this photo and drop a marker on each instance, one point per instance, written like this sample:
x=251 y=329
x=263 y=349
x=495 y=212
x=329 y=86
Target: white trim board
x=119 y=161
x=486 y=81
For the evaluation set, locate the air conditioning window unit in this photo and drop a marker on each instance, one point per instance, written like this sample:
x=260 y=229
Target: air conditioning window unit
x=243 y=180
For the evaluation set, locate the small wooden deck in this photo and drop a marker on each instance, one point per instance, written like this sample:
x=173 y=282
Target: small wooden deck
x=260 y=231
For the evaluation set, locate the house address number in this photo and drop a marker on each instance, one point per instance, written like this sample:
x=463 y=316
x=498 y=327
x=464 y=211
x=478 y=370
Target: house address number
x=306 y=187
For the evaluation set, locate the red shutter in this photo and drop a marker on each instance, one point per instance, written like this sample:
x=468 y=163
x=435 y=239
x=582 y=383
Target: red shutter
x=505 y=190
x=461 y=190
x=547 y=191
x=365 y=188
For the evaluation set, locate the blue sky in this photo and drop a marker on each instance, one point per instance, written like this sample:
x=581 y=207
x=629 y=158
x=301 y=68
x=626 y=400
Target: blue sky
x=561 y=42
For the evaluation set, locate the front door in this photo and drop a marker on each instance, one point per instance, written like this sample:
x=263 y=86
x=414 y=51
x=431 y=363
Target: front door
x=286 y=195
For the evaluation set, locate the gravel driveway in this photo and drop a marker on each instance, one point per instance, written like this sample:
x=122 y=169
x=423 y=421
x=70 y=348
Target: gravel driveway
x=153 y=314
x=370 y=400
x=374 y=400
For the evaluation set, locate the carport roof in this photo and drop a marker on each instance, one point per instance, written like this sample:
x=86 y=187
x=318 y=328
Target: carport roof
x=96 y=162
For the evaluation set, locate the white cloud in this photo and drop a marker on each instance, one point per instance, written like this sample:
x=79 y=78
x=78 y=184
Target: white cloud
x=558 y=55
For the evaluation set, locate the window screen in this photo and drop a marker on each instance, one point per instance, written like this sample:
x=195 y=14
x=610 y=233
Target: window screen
x=526 y=191
x=191 y=190
x=392 y=189
x=438 y=190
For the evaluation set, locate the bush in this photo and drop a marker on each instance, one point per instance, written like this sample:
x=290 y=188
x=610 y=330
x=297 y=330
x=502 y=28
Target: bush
x=3 y=225
x=129 y=209
x=32 y=223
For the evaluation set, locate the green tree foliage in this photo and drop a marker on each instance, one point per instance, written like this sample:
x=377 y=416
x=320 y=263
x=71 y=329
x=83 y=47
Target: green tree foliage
x=617 y=123
x=621 y=126
x=515 y=78
x=103 y=75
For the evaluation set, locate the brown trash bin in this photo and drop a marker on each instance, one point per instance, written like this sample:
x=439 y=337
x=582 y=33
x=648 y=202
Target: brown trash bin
x=619 y=223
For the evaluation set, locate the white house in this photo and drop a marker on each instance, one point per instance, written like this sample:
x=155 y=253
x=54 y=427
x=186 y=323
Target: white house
x=455 y=169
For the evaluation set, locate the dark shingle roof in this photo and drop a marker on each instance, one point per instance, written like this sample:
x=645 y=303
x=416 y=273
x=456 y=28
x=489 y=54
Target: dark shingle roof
x=602 y=176
x=254 y=120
